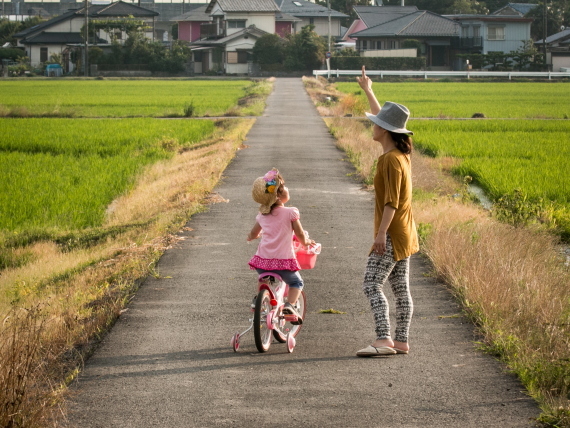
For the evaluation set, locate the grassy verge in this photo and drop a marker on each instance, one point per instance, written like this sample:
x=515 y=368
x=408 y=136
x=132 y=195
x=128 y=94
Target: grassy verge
x=61 y=290
x=512 y=281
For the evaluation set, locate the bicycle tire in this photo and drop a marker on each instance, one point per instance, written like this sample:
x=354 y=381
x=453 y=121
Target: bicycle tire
x=261 y=332
x=280 y=332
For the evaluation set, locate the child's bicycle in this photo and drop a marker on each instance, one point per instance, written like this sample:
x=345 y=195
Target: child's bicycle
x=268 y=318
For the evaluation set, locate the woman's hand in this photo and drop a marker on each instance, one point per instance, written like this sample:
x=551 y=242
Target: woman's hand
x=364 y=81
x=380 y=243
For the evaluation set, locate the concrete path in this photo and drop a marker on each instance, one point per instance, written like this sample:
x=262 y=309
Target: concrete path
x=168 y=360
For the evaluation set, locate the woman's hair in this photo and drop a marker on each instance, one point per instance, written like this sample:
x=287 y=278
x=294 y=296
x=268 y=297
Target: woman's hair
x=403 y=142
x=278 y=191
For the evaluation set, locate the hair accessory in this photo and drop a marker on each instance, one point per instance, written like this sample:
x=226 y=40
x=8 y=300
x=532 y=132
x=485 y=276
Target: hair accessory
x=264 y=190
x=271 y=181
x=392 y=117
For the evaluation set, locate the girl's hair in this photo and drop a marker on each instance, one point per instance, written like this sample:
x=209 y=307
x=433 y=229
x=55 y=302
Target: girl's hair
x=403 y=142
x=278 y=191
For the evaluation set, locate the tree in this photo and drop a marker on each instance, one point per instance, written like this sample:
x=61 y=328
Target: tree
x=9 y=28
x=346 y=7
x=305 y=50
x=557 y=15
x=269 y=49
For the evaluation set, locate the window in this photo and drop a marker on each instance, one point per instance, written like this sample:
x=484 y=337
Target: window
x=496 y=33
x=476 y=31
x=242 y=57
x=43 y=54
x=379 y=45
x=364 y=45
x=239 y=57
x=236 y=24
x=311 y=21
x=197 y=56
x=393 y=44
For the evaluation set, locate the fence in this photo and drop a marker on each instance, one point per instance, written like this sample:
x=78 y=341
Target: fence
x=428 y=74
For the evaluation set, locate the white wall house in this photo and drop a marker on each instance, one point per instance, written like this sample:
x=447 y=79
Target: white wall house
x=62 y=34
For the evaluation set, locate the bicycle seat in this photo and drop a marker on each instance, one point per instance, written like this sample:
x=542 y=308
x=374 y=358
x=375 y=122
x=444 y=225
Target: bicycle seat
x=269 y=276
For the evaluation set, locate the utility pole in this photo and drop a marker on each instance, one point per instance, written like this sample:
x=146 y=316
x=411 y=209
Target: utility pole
x=544 y=33
x=329 y=7
x=85 y=51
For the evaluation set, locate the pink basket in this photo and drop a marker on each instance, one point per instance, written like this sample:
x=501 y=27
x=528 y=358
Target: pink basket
x=307 y=257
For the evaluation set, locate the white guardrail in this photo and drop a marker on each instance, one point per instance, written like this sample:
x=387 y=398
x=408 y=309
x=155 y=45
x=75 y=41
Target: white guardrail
x=427 y=74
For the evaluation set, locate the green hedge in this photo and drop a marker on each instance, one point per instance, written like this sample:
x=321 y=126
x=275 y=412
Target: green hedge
x=379 y=63
x=11 y=53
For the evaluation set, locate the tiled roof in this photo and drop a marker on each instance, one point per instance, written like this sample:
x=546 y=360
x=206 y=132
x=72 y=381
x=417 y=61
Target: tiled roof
x=376 y=15
x=303 y=8
x=420 y=23
x=280 y=16
x=521 y=8
x=251 y=30
x=117 y=9
x=244 y=5
x=46 y=24
x=558 y=37
x=59 y=39
x=197 y=14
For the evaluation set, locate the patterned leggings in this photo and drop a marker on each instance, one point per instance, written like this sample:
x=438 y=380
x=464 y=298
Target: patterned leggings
x=379 y=269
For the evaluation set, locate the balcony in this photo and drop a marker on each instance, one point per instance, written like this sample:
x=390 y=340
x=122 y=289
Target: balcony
x=466 y=42
x=211 y=31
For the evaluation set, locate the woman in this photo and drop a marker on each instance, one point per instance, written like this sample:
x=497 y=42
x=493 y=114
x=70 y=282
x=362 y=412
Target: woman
x=395 y=237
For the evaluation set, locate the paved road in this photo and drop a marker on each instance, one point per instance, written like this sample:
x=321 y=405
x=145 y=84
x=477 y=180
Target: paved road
x=168 y=361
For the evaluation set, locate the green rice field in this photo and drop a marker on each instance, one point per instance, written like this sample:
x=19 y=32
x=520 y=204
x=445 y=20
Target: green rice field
x=539 y=100
x=502 y=155
x=119 y=98
x=63 y=173
x=523 y=145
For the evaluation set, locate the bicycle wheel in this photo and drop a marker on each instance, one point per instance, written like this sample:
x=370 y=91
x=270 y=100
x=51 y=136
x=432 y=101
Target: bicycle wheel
x=283 y=327
x=261 y=332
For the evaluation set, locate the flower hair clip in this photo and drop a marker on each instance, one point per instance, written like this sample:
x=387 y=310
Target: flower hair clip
x=271 y=181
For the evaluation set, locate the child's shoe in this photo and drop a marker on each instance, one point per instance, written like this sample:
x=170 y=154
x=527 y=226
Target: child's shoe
x=290 y=309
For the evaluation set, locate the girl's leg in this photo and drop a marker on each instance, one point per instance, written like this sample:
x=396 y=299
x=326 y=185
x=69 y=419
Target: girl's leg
x=400 y=282
x=295 y=282
x=378 y=269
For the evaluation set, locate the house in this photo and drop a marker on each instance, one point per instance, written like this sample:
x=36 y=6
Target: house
x=383 y=29
x=313 y=14
x=189 y=23
x=223 y=32
x=62 y=34
x=493 y=33
x=515 y=9
x=371 y=16
x=557 y=50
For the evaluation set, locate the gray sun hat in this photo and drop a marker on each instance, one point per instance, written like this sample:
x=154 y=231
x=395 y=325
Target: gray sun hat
x=392 y=117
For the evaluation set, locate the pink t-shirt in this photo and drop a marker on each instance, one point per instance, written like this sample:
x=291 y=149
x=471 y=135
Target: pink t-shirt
x=275 y=251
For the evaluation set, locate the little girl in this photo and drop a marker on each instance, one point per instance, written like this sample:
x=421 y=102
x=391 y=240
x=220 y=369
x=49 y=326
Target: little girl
x=278 y=223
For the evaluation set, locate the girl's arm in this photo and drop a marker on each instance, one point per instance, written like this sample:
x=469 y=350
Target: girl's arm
x=366 y=85
x=255 y=232
x=300 y=234
x=380 y=241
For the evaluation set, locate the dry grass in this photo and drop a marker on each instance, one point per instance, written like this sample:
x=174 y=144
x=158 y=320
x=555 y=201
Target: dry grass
x=512 y=282
x=58 y=304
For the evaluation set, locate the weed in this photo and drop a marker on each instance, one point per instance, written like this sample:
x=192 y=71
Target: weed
x=331 y=311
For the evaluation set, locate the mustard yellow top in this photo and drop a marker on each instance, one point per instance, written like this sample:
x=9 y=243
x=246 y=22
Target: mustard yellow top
x=393 y=186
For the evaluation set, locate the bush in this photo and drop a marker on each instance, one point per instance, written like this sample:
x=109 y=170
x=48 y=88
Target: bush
x=268 y=49
x=12 y=53
x=377 y=63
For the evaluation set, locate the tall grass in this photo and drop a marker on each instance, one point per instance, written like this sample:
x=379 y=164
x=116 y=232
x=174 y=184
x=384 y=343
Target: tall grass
x=464 y=99
x=512 y=281
x=81 y=290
